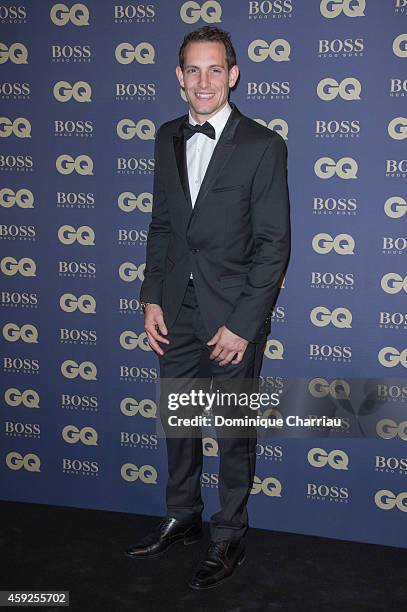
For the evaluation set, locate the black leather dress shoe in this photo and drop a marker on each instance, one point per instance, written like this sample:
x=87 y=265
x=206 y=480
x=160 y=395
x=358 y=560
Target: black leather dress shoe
x=169 y=531
x=219 y=563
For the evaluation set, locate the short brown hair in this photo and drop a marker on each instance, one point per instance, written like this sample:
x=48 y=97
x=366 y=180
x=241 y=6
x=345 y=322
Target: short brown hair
x=209 y=33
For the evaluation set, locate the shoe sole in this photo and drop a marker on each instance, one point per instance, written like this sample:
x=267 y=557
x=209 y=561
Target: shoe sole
x=212 y=586
x=187 y=542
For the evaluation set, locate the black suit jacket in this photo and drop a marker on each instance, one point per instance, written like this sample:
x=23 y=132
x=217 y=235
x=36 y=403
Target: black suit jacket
x=236 y=238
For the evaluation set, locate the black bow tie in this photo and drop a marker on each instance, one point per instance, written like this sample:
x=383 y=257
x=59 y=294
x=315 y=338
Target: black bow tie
x=206 y=128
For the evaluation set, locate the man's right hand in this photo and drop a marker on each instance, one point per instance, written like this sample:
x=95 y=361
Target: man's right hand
x=155 y=326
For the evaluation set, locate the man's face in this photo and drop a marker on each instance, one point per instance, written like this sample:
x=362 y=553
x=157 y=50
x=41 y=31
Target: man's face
x=206 y=79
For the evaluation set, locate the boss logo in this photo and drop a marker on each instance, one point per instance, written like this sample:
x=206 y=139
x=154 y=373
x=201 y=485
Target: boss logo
x=16 y=162
x=73 y=127
x=67 y=53
x=323 y=352
x=131 y=165
x=133 y=90
x=138 y=374
x=352 y=46
x=266 y=88
x=132 y=12
x=264 y=8
x=72 y=268
x=322 y=491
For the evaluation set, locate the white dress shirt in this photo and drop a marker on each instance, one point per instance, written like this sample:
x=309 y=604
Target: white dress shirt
x=200 y=148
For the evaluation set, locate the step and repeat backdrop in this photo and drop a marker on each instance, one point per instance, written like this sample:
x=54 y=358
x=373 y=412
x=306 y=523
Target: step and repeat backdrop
x=83 y=88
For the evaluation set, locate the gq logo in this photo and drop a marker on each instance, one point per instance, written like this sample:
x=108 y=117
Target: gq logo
x=30 y=462
x=71 y=369
x=397 y=128
x=17 y=53
x=389 y=429
x=143 y=129
x=146 y=473
x=276 y=123
x=342 y=244
x=143 y=53
x=25 y=266
x=387 y=500
x=399 y=46
x=80 y=91
x=269 y=486
x=85 y=235
x=274 y=349
x=210 y=447
x=345 y=168
x=66 y=164
x=29 y=398
x=390 y=357
x=86 y=435
x=338 y=389
x=27 y=333
x=85 y=303
x=348 y=89
x=339 y=317
x=393 y=283
x=129 y=272
x=394 y=207
x=146 y=407
x=127 y=202
x=20 y=127
x=24 y=198
x=130 y=341
x=210 y=12
x=351 y=8
x=78 y=14
x=336 y=459
x=279 y=50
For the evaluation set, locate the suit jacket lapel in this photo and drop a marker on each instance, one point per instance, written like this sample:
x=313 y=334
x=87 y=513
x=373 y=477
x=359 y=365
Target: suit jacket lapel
x=221 y=153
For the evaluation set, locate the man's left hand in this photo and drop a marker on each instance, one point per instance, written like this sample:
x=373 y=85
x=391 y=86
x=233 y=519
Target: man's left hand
x=229 y=347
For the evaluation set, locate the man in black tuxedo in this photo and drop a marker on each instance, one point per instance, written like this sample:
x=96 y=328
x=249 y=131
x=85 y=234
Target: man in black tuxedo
x=217 y=246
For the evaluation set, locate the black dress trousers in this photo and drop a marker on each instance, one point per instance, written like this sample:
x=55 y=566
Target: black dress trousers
x=185 y=360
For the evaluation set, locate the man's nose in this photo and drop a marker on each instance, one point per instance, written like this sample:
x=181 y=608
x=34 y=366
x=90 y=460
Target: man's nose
x=204 y=80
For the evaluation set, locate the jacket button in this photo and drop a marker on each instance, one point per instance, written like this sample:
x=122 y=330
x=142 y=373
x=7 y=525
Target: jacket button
x=194 y=250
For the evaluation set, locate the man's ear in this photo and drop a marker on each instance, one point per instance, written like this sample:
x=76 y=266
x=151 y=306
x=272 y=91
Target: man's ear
x=180 y=75
x=233 y=75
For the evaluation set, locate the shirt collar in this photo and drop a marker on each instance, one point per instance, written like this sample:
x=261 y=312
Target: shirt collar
x=218 y=120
